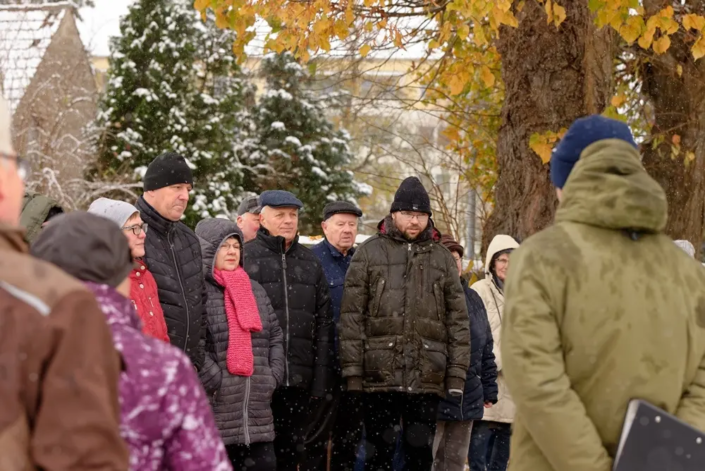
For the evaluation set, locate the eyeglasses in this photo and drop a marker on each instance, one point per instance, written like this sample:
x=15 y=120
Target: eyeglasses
x=137 y=228
x=23 y=166
x=227 y=247
x=418 y=216
x=502 y=261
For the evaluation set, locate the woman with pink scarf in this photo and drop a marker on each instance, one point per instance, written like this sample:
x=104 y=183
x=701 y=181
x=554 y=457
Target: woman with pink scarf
x=244 y=349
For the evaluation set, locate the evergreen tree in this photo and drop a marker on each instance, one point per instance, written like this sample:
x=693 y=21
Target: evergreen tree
x=174 y=86
x=298 y=146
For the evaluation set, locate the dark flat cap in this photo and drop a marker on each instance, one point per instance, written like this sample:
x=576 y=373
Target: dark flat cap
x=86 y=246
x=279 y=199
x=452 y=245
x=340 y=207
x=249 y=205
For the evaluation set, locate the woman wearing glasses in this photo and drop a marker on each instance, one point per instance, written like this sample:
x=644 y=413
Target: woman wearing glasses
x=244 y=349
x=489 y=442
x=143 y=288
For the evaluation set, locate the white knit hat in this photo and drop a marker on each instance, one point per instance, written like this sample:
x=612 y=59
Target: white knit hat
x=686 y=246
x=5 y=125
x=117 y=211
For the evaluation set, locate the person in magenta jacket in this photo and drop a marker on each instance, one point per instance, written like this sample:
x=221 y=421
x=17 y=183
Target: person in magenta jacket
x=166 y=419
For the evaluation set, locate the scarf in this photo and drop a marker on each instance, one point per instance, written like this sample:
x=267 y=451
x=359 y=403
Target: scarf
x=243 y=319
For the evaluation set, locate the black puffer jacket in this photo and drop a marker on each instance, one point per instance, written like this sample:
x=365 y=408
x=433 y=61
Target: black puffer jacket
x=403 y=316
x=173 y=255
x=298 y=290
x=481 y=382
x=241 y=405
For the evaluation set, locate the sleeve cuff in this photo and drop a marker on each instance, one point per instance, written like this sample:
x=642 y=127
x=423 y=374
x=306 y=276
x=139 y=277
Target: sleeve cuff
x=455 y=383
x=355 y=383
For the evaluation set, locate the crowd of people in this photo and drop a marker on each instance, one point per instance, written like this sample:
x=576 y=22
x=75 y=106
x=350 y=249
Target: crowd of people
x=130 y=341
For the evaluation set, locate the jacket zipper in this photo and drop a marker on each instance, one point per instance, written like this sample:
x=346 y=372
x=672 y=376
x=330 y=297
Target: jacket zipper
x=183 y=293
x=461 y=406
x=286 y=306
x=245 y=417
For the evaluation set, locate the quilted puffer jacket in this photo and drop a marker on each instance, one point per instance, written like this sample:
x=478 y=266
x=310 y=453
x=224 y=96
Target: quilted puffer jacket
x=241 y=404
x=173 y=255
x=404 y=323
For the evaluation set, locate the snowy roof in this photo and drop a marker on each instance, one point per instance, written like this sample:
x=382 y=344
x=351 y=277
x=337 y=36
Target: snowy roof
x=25 y=34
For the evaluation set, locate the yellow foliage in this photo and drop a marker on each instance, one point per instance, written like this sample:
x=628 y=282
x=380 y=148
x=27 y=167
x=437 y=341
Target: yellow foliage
x=691 y=21
x=542 y=143
x=699 y=48
x=558 y=14
x=618 y=100
x=662 y=44
x=364 y=50
x=487 y=76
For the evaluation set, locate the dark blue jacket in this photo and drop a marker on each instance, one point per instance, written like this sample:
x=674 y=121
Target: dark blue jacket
x=481 y=382
x=335 y=266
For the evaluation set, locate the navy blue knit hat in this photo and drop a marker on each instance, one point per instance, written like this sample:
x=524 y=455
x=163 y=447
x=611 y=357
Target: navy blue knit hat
x=582 y=133
x=279 y=199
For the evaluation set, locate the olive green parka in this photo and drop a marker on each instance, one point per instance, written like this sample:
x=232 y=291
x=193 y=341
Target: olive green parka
x=601 y=308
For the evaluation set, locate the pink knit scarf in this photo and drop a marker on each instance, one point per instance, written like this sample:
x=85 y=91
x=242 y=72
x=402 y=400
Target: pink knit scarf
x=243 y=319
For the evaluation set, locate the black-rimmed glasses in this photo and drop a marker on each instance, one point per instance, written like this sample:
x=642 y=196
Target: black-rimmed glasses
x=137 y=228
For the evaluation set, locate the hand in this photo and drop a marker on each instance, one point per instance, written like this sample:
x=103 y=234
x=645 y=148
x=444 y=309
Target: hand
x=488 y=405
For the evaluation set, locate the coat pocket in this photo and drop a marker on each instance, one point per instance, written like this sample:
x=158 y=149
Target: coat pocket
x=379 y=290
x=433 y=361
x=379 y=359
x=440 y=301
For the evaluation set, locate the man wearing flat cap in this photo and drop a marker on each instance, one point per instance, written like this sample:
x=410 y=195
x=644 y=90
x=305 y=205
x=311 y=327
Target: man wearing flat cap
x=248 y=217
x=341 y=416
x=297 y=288
x=173 y=253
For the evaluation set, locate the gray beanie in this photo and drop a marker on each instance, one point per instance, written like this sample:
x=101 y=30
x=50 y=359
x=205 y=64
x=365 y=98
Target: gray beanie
x=117 y=211
x=87 y=247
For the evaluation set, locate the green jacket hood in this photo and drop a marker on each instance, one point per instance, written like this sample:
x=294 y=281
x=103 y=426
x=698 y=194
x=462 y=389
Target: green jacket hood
x=35 y=209
x=610 y=188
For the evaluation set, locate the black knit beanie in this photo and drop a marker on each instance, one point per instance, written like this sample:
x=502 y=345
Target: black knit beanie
x=411 y=196
x=166 y=170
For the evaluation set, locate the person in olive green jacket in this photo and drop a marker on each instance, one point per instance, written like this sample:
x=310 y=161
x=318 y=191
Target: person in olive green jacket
x=404 y=336
x=601 y=308
x=36 y=211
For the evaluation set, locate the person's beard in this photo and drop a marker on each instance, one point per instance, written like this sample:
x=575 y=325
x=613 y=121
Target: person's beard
x=410 y=237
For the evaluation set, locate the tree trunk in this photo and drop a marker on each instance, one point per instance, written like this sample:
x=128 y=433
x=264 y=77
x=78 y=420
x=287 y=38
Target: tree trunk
x=679 y=110
x=551 y=76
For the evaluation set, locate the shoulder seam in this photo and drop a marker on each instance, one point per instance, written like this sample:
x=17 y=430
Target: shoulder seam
x=26 y=298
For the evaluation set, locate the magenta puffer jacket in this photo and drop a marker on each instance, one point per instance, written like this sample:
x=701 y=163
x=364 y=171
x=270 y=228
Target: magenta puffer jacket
x=166 y=420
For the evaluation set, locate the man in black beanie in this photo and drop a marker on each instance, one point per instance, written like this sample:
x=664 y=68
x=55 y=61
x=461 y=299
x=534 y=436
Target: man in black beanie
x=404 y=335
x=173 y=253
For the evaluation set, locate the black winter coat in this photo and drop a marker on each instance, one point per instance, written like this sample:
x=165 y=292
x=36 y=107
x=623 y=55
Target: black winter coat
x=481 y=381
x=173 y=255
x=403 y=321
x=241 y=405
x=298 y=290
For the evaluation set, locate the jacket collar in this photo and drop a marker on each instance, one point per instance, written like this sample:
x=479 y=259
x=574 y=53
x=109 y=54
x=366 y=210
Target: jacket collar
x=12 y=238
x=335 y=252
x=387 y=228
x=154 y=220
x=275 y=243
x=118 y=309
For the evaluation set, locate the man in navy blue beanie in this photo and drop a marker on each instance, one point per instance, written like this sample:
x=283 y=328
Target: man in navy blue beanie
x=583 y=133
x=598 y=310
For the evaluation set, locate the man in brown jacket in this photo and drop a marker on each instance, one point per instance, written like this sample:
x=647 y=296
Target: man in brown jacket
x=58 y=367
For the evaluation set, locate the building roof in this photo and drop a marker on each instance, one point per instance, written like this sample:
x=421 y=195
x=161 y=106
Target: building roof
x=25 y=34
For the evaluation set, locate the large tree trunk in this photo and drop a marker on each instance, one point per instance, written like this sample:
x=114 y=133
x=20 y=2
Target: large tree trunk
x=551 y=76
x=679 y=109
